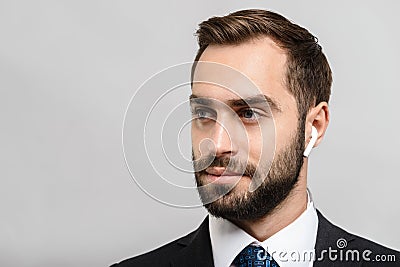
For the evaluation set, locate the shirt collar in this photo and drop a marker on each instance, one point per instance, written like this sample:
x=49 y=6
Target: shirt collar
x=227 y=239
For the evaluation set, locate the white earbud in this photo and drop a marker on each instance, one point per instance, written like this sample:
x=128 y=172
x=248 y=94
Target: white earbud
x=314 y=136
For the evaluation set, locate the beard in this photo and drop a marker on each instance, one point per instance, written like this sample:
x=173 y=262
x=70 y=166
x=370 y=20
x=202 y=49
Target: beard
x=276 y=182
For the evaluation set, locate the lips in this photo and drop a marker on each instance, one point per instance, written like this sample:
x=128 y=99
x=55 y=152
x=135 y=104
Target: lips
x=221 y=175
x=221 y=171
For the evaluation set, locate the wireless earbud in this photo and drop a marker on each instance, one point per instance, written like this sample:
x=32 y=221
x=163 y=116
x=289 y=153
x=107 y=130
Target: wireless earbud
x=314 y=136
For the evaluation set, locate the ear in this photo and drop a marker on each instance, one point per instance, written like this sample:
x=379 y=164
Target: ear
x=318 y=117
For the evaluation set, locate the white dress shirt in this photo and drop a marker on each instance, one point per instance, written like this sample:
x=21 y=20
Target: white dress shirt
x=291 y=246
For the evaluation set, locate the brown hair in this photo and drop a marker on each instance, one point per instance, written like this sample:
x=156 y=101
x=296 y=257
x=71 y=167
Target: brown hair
x=308 y=75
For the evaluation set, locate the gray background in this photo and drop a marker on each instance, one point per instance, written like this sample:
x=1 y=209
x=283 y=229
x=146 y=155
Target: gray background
x=67 y=72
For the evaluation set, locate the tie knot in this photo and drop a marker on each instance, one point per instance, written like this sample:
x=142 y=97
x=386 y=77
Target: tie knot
x=254 y=256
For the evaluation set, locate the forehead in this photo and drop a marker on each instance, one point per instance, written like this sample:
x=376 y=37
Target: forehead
x=259 y=60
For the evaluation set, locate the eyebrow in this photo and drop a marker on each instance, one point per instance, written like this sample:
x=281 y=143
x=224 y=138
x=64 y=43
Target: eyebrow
x=240 y=102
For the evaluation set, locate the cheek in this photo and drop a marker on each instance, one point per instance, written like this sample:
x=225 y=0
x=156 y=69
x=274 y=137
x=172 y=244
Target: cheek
x=196 y=138
x=262 y=142
x=286 y=121
x=201 y=143
x=286 y=128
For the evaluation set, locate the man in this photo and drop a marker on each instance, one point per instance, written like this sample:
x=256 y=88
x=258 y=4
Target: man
x=261 y=213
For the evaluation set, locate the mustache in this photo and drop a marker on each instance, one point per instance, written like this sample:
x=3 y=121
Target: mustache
x=231 y=164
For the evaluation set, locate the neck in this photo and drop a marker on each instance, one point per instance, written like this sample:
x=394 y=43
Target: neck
x=283 y=215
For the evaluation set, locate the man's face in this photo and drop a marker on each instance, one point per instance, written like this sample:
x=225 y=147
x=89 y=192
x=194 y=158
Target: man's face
x=242 y=137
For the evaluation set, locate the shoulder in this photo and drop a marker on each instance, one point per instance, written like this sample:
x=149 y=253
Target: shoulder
x=157 y=257
x=335 y=244
x=193 y=247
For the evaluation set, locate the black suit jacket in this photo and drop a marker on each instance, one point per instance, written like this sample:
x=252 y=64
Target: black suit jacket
x=194 y=250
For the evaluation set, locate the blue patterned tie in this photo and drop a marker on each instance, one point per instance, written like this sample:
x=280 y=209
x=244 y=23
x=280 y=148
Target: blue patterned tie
x=254 y=256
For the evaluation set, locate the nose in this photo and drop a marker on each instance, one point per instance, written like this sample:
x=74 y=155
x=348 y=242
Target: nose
x=222 y=138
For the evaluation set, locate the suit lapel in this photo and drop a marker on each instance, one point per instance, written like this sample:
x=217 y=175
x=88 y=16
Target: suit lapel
x=327 y=238
x=197 y=251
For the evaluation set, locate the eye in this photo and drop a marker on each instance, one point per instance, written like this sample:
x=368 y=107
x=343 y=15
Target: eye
x=249 y=114
x=203 y=114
